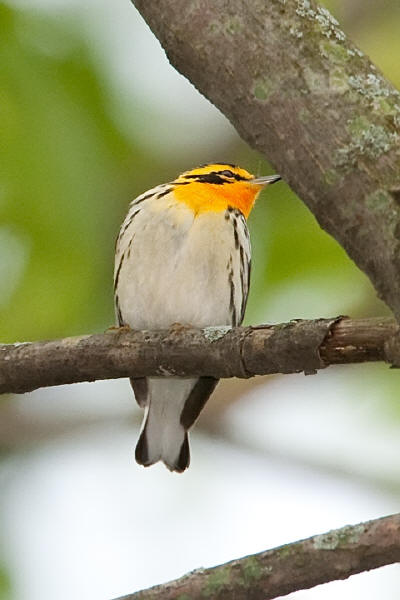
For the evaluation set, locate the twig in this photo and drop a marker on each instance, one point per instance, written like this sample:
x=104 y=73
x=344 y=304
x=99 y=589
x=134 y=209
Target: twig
x=301 y=565
x=216 y=351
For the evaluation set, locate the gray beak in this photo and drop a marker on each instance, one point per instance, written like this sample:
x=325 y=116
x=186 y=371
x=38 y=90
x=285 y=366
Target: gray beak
x=266 y=180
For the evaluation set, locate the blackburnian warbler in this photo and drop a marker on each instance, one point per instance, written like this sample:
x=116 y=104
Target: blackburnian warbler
x=183 y=256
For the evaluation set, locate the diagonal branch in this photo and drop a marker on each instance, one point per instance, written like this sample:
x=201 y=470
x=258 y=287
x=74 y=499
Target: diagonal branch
x=216 y=351
x=298 y=566
x=298 y=90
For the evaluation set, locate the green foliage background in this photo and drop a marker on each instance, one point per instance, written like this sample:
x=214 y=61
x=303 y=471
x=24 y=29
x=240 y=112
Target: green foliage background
x=67 y=173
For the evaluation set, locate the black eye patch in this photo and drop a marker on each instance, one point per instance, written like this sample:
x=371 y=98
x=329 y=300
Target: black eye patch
x=231 y=175
x=215 y=177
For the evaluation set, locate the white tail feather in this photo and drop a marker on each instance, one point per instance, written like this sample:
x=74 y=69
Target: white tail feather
x=163 y=430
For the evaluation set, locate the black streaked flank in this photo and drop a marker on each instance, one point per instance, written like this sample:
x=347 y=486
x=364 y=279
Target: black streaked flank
x=235 y=234
x=244 y=281
x=242 y=266
x=130 y=246
x=133 y=215
x=118 y=311
x=118 y=271
x=244 y=299
x=163 y=193
x=232 y=306
x=142 y=199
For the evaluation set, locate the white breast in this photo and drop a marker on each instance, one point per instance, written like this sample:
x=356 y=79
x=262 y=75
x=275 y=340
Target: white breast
x=174 y=267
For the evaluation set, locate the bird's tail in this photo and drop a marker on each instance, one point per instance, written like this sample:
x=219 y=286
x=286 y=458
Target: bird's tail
x=163 y=436
x=172 y=407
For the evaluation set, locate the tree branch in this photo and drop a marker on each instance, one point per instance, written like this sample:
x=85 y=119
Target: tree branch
x=301 y=565
x=216 y=351
x=296 y=89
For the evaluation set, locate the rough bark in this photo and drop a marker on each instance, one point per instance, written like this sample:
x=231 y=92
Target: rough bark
x=301 y=565
x=216 y=351
x=297 y=90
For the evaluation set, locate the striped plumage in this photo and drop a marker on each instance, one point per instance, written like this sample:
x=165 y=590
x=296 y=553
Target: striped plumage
x=183 y=256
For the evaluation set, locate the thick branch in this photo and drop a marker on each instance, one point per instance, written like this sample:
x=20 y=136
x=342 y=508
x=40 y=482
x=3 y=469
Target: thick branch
x=217 y=351
x=296 y=89
x=301 y=565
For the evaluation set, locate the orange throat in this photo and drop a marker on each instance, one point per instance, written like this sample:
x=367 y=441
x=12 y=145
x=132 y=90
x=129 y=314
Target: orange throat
x=209 y=197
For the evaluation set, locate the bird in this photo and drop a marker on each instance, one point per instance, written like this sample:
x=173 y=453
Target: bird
x=183 y=256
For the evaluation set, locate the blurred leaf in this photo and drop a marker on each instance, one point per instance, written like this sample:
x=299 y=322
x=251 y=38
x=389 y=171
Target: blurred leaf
x=5 y=585
x=65 y=180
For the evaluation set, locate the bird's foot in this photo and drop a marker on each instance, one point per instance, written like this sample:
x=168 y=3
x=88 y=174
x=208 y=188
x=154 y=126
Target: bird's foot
x=116 y=329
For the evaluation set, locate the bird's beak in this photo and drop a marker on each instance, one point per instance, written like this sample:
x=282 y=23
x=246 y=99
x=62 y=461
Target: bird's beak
x=266 y=180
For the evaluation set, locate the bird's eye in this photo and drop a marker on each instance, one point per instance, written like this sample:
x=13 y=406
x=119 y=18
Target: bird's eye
x=226 y=173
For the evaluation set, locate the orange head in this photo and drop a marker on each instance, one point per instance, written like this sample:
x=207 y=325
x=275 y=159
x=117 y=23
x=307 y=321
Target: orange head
x=215 y=187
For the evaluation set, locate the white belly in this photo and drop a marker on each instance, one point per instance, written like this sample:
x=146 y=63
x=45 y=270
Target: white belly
x=179 y=268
